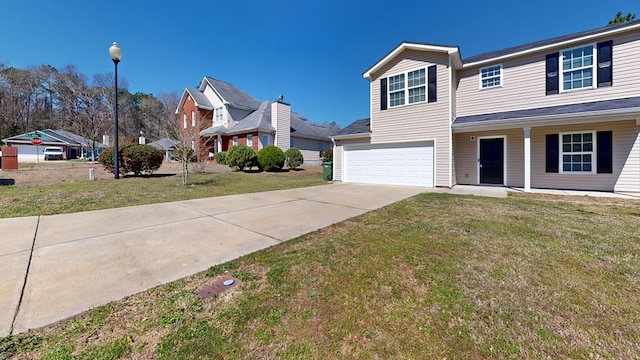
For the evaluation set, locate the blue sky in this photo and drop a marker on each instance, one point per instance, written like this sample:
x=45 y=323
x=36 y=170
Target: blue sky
x=312 y=52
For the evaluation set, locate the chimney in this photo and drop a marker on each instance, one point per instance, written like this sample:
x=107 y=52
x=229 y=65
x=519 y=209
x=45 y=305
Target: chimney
x=281 y=121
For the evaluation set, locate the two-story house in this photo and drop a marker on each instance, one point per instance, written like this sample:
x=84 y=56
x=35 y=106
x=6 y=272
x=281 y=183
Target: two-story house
x=219 y=115
x=559 y=113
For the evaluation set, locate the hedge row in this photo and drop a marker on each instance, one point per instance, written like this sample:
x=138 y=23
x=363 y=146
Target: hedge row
x=269 y=158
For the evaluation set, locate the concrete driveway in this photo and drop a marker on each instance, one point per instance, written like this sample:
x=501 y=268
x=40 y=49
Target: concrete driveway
x=57 y=266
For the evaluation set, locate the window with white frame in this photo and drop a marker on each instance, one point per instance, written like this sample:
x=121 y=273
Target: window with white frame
x=235 y=140
x=184 y=120
x=577 y=152
x=193 y=144
x=265 y=140
x=193 y=118
x=578 y=68
x=250 y=140
x=218 y=114
x=407 y=88
x=491 y=76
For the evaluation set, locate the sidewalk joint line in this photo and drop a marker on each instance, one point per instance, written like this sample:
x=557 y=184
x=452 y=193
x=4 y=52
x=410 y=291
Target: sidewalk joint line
x=26 y=276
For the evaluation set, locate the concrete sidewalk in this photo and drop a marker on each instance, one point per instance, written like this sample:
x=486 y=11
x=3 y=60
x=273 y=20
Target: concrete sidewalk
x=54 y=267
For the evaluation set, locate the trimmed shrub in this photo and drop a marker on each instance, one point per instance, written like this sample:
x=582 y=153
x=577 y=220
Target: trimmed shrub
x=240 y=157
x=327 y=155
x=141 y=158
x=134 y=158
x=271 y=158
x=221 y=157
x=106 y=159
x=293 y=158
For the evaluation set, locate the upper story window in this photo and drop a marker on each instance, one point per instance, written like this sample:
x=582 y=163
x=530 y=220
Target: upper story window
x=577 y=152
x=577 y=68
x=491 y=76
x=411 y=87
x=184 y=120
x=411 y=91
x=193 y=118
x=217 y=114
x=584 y=67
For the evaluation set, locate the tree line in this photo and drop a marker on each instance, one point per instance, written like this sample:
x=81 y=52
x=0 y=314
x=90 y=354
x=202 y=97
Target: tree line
x=43 y=97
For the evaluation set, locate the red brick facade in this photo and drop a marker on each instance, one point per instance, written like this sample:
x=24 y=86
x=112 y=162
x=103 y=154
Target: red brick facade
x=203 y=120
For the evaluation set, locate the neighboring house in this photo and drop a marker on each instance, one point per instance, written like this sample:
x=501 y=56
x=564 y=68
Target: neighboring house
x=167 y=145
x=75 y=146
x=220 y=115
x=560 y=113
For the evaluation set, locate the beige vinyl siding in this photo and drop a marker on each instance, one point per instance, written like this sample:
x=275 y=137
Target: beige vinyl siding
x=454 y=100
x=524 y=82
x=310 y=148
x=338 y=155
x=625 y=135
x=629 y=139
x=415 y=122
x=466 y=155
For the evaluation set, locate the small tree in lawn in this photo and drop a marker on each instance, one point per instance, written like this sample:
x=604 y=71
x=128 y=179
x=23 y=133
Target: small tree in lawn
x=240 y=157
x=293 y=158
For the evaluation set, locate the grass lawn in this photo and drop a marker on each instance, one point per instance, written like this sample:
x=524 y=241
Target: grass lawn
x=436 y=276
x=74 y=196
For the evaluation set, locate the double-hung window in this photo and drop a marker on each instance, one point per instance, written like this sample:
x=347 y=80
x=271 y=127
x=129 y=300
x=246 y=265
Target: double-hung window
x=578 y=68
x=577 y=152
x=491 y=76
x=250 y=140
x=407 y=88
x=184 y=120
x=217 y=114
x=193 y=118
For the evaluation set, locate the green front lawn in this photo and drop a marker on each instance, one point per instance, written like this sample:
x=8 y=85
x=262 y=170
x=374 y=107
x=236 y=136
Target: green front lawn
x=436 y=276
x=66 y=197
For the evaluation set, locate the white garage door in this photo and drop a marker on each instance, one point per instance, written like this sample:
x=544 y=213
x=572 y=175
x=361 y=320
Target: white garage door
x=400 y=164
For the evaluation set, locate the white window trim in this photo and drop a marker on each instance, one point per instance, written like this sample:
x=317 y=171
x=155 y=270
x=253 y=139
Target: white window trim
x=593 y=153
x=406 y=88
x=235 y=140
x=193 y=118
x=594 y=68
x=184 y=120
x=221 y=114
x=501 y=77
x=250 y=140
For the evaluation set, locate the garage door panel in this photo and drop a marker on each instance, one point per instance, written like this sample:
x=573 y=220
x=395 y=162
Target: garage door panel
x=393 y=165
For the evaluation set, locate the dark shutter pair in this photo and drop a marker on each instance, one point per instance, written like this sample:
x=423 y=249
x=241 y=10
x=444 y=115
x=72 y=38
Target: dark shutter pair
x=604 y=71
x=431 y=88
x=604 y=152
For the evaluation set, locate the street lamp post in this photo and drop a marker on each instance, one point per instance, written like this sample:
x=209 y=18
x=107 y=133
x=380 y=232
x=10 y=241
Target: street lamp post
x=116 y=54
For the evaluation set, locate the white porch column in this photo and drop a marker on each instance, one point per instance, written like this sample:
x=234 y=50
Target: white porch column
x=219 y=140
x=527 y=158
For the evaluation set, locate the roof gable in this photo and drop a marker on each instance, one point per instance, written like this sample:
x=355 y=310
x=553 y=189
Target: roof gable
x=230 y=94
x=199 y=99
x=453 y=51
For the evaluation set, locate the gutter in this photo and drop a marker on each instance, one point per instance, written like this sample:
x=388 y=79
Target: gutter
x=350 y=136
x=548 y=120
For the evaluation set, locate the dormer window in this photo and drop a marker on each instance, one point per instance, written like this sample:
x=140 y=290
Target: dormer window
x=491 y=76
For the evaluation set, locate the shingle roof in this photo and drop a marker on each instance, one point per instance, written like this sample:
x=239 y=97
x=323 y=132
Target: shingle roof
x=632 y=103
x=200 y=99
x=536 y=44
x=233 y=95
x=164 y=144
x=54 y=137
x=301 y=127
x=257 y=120
x=361 y=126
